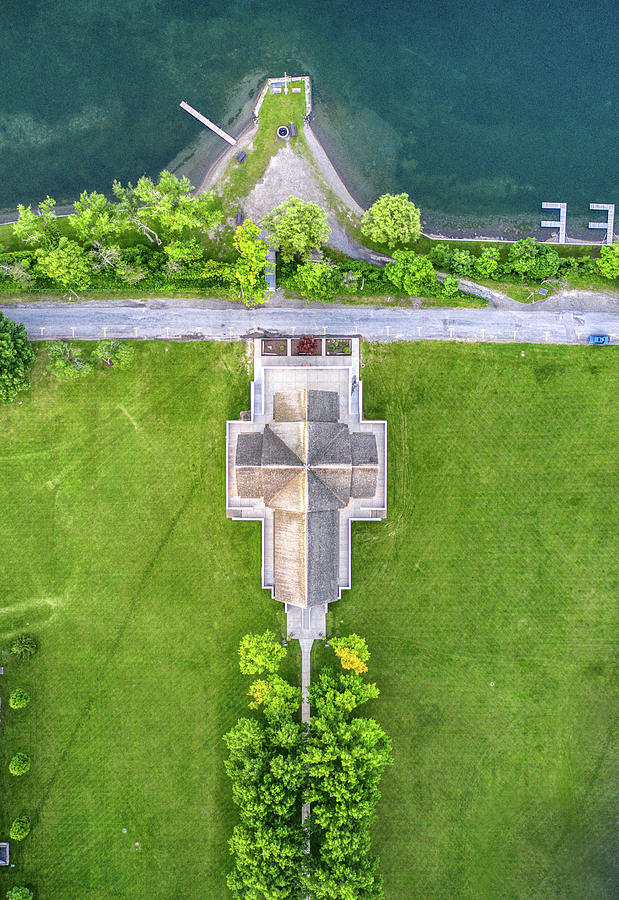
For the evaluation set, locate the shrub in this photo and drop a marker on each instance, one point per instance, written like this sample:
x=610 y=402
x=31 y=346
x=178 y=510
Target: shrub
x=67 y=360
x=461 y=262
x=440 y=256
x=487 y=264
x=20 y=764
x=19 y=892
x=19 y=699
x=608 y=263
x=24 y=646
x=119 y=354
x=307 y=344
x=450 y=286
x=20 y=828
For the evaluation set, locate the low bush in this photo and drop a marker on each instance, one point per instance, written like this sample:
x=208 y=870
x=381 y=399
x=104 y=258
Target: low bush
x=24 y=646
x=19 y=892
x=20 y=828
x=19 y=764
x=19 y=699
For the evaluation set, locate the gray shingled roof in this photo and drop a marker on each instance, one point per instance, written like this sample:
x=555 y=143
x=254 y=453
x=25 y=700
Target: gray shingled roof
x=307 y=466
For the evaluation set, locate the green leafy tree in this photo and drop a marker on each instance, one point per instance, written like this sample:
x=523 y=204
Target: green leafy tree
x=20 y=828
x=392 y=219
x=166 y=208
x=67 y=264
x=249 y=268
x=19 y=698
x=95 y=220
x=450 y=286
x=119 y=354
x=276 y=696
x=182 y=255
x=217 y=272
x=352 y=652
x=260 y=653
x=129 y=272
x=297 y=228
x=412 y=273
x=487 y=263
x=345 y=756
x=37 y=227
x=316 y=282
x=16 y=358
x=608 y=262
x=20 y=764
x=19 y=892
x=24 y=646
x=67 y=360
x=461 y=262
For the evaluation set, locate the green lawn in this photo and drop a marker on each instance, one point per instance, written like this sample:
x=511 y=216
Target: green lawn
x=118 y=556
x=496 y=563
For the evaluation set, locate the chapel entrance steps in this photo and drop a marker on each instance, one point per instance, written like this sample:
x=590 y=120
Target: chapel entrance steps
x=306 y=625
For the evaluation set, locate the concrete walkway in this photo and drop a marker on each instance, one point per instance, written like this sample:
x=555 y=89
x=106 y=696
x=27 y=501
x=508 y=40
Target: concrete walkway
x=218 y=320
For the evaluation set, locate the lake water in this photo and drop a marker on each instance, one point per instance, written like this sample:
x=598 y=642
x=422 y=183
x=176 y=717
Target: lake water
x=479 y=110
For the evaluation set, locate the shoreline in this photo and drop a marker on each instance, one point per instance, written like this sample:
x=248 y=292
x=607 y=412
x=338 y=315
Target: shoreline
x=436 y=224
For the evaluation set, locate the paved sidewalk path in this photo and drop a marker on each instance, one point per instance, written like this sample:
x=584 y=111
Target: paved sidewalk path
x=218 y=320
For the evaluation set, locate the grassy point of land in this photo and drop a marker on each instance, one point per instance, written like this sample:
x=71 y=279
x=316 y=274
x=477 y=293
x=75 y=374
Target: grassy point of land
x=277 y=109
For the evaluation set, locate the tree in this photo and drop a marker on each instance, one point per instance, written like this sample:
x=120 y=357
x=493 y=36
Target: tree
x=260 y=653
x=392 y=219
x=450 y=286
x=20 y=828
x=461 y=262
x=19 y=892
x=182 y=255
x=19 y=698
x=95 y=219
x=37 y=227
x=119 y=354
x=487 y=263
x=24 y=646
x=16 y=358
x=19 y=764
x=276 y=696
x=166 y=208
x=297 y=228
x=249 y=268
x=412 y=273
x=316 y=282
x=352 y=651
x=67 y=264
x=608 y=262
x=307 y=345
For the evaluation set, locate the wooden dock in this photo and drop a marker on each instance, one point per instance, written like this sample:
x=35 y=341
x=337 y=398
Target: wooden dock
x=194 y=112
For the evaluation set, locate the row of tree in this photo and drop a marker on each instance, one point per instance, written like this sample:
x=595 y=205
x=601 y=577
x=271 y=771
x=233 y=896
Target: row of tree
x=525 y=259
x=276 y=764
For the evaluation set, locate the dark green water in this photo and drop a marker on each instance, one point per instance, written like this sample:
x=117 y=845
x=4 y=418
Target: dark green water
x=475 y=108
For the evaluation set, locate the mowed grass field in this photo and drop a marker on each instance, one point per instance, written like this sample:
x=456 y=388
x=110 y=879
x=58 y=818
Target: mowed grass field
x=497 y=564
x=117 y=554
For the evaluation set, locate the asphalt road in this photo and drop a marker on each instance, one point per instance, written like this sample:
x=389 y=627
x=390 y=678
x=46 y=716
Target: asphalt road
x=195 y=320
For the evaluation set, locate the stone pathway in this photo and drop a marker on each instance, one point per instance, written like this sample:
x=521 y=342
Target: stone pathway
x=306 y=626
